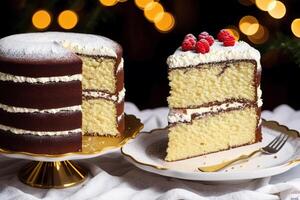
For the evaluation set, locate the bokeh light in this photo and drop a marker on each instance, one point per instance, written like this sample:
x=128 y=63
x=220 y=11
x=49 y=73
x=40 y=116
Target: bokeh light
x=142 y=3
x=152 y=9
x=265 y=5
x=164 y=22
x=249 y=25
x=108 y=2
x=67 y=19
x=278 y=11
x=234 y=31
x=261 y=36
x=41 y=19
x=295 y=26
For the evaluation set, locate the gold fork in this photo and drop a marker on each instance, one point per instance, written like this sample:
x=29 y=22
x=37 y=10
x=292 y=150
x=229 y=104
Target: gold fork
x=273 y=147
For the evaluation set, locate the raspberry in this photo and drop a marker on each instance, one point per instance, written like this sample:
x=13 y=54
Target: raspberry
x=203 y=35
x=222 y=34
x=188 y=44
x=190 y=36
x=229 y=41
x=210 y=40
x=202 y=46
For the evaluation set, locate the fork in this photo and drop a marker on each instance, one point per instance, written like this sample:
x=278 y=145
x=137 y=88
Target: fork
x=273 y=147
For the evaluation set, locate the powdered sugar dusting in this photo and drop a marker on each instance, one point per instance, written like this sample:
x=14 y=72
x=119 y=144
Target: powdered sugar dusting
x=56 y=46
x=240 y=51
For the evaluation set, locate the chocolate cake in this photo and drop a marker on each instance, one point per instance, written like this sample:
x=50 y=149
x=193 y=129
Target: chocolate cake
x=215 y=96
x=56 y=87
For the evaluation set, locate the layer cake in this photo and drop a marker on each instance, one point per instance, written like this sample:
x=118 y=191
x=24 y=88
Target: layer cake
x=215 y=97
x=56 y=87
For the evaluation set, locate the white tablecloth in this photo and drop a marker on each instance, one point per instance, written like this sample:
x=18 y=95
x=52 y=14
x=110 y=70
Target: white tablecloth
x=114 y=178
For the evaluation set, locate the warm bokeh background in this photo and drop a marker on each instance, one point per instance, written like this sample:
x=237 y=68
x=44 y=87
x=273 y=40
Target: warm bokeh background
x=146 y=48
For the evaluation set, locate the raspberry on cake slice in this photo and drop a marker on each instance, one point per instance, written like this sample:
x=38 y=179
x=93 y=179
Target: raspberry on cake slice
x=215 y=97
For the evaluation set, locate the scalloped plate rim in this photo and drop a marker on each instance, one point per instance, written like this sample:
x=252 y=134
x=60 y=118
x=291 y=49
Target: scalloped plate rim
x=214 y=176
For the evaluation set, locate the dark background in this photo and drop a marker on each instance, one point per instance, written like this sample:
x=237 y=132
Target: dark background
x=146 y=49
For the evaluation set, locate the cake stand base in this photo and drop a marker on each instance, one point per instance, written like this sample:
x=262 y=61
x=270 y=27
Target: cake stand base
x=59 y=174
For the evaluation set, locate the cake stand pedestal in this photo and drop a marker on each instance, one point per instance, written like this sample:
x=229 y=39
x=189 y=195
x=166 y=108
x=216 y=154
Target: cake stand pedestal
x=59 y=171
x=60 y=174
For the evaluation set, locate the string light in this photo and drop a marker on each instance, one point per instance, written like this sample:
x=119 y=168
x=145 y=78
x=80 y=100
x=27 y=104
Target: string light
x=265 y=5
x=164 y=22
x=295 y=26
x=234 y=31
x=108 y=2
x=142 y=3
x=67 y=19
x=278 y=11
x=152 y=9
x=248 y=25
x=261 y=36
x=41 y=19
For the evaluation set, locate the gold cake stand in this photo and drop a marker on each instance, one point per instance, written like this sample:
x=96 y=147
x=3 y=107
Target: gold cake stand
x=59 y=171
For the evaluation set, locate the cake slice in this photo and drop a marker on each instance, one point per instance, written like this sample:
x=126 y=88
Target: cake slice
x=215 y=97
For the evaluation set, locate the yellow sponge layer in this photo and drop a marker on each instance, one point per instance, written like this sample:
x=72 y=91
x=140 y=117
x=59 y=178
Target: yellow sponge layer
x=197 y=86
x=99 y=73
x=212 y=133
x=99 y=117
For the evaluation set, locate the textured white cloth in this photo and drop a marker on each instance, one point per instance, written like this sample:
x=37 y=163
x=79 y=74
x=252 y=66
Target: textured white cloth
x=114 y=178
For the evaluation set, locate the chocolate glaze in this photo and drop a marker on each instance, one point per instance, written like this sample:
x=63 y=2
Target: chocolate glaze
x=121 y=126
x=120 y=80
x=45 y=68
x=61 y=121
x=41 y=144
x=40 y=96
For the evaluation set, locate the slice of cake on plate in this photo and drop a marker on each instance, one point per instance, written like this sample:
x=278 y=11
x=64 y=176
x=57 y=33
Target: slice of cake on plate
x=56 y=87
x=215 y=96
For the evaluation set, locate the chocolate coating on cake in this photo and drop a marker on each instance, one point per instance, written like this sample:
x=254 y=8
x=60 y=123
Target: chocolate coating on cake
x=60 y=121
x=40 y=96
x=41 y=68
x=41 y=145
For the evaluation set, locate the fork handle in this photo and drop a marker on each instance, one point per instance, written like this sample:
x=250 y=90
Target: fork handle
x=217 y=167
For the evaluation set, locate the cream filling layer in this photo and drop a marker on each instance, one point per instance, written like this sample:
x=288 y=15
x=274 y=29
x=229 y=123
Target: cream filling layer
x=185 y=115
x=40 y=133
x=24 y=79
x=98 y=94
x=14 y=109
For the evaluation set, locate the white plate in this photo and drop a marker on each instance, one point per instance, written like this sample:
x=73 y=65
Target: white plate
x=147 y=152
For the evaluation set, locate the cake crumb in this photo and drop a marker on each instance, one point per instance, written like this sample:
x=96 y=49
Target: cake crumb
x=258 y=166
x=275 y=157
x=232 y=167
x=241 y=166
